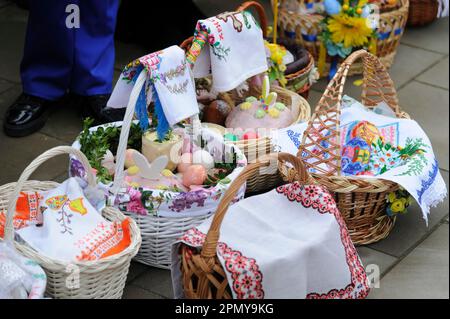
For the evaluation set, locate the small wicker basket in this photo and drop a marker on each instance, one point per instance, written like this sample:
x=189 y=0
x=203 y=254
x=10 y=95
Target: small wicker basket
x=422 y=12
x=305 y=28
x=361 y=201
x=202 y=274
x=104 y=278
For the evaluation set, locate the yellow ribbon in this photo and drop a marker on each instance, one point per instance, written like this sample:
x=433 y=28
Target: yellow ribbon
x=322 y=59
x=275 y=21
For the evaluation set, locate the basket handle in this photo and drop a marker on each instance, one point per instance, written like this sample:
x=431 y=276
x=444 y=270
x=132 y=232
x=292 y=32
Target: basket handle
x=119 y=174
x=377 y=87
x=193 y=54
x=14 y=196
x=210 y=246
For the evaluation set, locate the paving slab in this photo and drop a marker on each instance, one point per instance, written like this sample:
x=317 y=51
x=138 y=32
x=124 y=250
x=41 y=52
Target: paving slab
x=19 y=152
x=437 y=75
x=5 y=85
x=134 y=292
x=136 y=269
x=155 y=280
x=13 y=23
x=411 y=62
x=4 y=3
x=430 y=107
x=373 y=257
x=423 y=274
x=8 y=97
x=433 y=37
x=410 y=229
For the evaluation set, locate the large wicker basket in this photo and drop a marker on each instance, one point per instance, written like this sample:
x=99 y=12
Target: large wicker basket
x=202 y=274
x=422 y=12
x=159 y=231
x=361 y=201
x=305 y=28
x=264 y=179
x=104 y=278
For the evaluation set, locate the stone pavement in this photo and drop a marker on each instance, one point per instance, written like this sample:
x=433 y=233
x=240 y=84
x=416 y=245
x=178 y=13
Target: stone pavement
x=414 y=259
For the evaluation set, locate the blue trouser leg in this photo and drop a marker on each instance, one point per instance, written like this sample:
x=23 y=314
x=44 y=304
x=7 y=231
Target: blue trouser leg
x=57 y=59
x=93 y=69
x=49 y=50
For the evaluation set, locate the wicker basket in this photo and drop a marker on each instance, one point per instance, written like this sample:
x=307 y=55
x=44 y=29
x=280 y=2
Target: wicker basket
x=160 y=232
x=202 y=274
x=422 y=12
x=305 y=28
x=361 y=201
x=104 y=278
x=264 y=180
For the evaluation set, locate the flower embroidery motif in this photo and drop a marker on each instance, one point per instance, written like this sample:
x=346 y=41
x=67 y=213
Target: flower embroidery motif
x=247 y=278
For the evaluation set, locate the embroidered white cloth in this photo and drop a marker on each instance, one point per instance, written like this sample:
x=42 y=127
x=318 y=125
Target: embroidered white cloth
x=20 y=277
x=73 y=230
x=168 y=73
x=413 y=166
x=288 y=243
x=234 y=50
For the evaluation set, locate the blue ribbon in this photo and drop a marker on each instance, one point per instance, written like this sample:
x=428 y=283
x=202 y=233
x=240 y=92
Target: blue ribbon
x=163 y=125
x=289 y=34
x=333 y=68
x=385 y=35
x=141 y=110
x=309 y=37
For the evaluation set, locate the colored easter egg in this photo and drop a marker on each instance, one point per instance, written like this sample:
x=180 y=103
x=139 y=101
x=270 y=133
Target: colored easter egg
x=245 y=106
x=332 y=6
x=366 y=131
x=202 y=157
x=355 y=156
x=250 y=136
x=280 y=106
x=216 y=112
x=274 y=113
x=194 y=175
x=185 y=162
x=231 y=137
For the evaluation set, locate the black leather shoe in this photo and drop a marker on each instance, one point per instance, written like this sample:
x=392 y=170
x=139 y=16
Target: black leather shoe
x=95 y=106
x=26 y=115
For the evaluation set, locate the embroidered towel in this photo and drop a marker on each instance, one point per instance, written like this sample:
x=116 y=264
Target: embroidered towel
x=169 y=76
x=414 y=166
x=234 y=50
x=72 y=228
x=290 y=243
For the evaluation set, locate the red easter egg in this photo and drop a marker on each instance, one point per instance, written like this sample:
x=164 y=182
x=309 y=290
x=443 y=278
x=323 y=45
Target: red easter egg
x=250 y=136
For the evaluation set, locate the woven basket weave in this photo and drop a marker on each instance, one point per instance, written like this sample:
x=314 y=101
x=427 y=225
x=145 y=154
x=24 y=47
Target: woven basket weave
x=422 y=12
x=104 y=278
x=202 y=274
x=361 y=201
x=305 y=28
x=263 y=180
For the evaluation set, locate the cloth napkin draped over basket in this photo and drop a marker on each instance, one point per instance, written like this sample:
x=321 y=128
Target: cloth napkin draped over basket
x=288 y=243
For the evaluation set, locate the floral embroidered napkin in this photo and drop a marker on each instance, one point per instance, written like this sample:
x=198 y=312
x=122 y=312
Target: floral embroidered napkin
x=381 y=146
x=168 y=78
x=233 y=49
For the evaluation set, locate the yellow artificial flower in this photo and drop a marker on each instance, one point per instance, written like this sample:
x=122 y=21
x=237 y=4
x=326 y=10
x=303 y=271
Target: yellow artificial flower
x=352 y=31
x=398 y=206
x=391 y=197
x=282 y=67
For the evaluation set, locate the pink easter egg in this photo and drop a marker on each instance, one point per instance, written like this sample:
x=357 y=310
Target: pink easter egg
x=185 y=162
x=194 y=175
x=250 y=136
